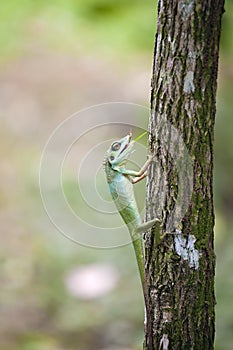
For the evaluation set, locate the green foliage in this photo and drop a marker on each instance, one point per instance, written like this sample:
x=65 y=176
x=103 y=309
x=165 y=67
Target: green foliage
x=226 y=39
x=72 y=26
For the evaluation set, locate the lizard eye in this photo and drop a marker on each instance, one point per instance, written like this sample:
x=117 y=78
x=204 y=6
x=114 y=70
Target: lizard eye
x=116 y=146
x=112 y=158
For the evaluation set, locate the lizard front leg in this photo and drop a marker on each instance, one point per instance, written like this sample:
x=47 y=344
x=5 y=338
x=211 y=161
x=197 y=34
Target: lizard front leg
x=137 y=178
x=139 y=174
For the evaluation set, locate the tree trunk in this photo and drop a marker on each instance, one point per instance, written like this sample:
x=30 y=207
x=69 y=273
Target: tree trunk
x=179 y=282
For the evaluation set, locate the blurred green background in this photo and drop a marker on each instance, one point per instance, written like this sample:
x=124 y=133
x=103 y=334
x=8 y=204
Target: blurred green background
x=56 y=58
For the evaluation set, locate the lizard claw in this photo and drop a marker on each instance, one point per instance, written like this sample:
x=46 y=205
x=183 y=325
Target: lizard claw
x=151 y=158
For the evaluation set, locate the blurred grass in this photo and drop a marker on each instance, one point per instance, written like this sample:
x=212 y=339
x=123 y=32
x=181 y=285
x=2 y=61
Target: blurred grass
x=37 y=311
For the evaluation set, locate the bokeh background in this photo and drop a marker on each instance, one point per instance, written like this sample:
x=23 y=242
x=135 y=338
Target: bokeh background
x=58 y=57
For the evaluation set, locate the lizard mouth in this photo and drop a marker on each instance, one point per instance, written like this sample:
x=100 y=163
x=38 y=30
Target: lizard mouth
x=130 y=136
x=128 y=143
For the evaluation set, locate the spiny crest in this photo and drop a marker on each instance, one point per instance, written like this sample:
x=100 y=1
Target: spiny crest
x=105 y=160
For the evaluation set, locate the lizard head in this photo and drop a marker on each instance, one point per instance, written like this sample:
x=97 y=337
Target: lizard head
x=120 y=150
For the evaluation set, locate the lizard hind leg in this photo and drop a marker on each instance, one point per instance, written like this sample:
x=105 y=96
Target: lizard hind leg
x=147 y=225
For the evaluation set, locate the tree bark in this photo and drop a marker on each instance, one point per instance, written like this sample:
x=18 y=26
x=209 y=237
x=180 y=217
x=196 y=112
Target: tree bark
x=179 y=282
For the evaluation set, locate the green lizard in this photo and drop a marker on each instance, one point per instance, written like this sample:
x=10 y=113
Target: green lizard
x=120 y=181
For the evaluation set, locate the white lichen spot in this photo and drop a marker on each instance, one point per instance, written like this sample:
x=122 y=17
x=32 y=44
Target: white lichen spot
x=188 y=82
x=167 y=317
x=145 y=316
x=172 y=44
x=159 y=38
x=164 y=342
x=186 y=8
x=192 y=55
x=185 y=248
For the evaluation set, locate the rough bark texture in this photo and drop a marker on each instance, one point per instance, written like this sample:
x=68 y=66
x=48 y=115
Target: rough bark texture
x=179 y=283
